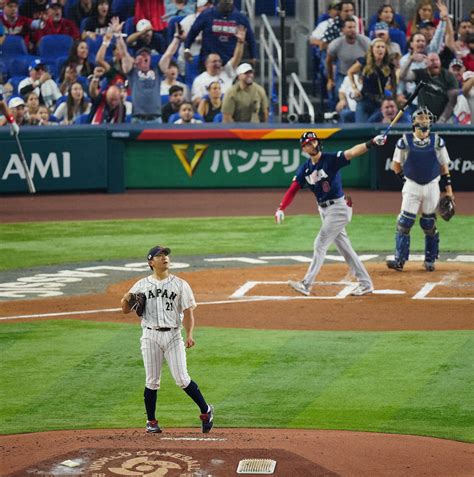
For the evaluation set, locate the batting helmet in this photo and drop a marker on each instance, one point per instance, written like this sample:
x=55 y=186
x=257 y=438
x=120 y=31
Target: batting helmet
x=307 y=137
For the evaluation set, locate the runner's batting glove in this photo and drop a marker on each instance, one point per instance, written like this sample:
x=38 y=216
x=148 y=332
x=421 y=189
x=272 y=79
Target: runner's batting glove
x=14 y=128
x=279 y=216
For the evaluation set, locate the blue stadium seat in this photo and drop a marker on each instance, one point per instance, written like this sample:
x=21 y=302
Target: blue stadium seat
x=191 y=71
x=4 y=69
x=218 y=118
x=123 y=8
x=129 y=26
x=52 y=46
x=165 y=98
x=82 y=119
x=60 y=63
x=70 y=4
x=15 y=81
x=13 y=46
x=19 y=66
x=83 y=25
x=171 y=27
x=94 y=46
x=155 y=59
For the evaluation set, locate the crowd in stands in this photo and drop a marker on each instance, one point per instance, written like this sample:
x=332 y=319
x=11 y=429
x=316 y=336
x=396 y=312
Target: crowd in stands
x=181 y=61
x=367 y=72
x=139 y=61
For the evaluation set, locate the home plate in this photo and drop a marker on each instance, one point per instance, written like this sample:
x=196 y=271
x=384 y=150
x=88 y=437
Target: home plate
x=388 y=292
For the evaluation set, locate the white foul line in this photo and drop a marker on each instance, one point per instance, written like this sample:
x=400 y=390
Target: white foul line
x=115 y=310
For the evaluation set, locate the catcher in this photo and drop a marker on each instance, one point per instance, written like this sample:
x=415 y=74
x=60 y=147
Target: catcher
x=165 y=302
x=422 y=163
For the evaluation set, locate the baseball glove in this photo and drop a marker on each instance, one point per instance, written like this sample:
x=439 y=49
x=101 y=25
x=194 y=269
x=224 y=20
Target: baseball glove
x=446 y=207
x=137 y=303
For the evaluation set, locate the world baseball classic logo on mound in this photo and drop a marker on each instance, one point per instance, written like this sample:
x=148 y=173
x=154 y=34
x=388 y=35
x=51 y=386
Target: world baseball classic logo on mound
x=144 y=463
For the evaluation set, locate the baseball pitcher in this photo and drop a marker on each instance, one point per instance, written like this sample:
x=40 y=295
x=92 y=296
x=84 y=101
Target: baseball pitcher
x=165 y=303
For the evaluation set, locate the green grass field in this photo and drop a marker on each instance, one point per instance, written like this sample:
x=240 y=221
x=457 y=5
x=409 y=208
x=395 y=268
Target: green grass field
x=76 y=374
x=24 y=245
x=79 y=374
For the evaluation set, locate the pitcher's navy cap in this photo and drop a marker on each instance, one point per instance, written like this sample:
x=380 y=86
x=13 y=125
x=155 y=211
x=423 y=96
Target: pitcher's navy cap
x=157 y=250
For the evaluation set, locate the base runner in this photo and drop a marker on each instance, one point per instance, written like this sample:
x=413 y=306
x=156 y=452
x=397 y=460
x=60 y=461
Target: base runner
x=321 y=174
x=165 y=302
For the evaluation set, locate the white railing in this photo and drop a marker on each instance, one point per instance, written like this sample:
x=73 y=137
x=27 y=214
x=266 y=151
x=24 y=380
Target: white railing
x=363 y=11
x=270 y=62
x=297 y=100
x=248 y=7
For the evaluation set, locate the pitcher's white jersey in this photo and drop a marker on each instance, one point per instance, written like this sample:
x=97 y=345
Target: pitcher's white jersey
x=165 y=300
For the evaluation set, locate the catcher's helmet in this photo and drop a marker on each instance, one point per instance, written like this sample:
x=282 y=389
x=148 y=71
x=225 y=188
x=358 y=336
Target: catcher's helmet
x=308 y=137
x=422 y=111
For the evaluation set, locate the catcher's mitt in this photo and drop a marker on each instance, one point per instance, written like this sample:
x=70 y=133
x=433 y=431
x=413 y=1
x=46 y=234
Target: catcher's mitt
x=446 y=207
x=137 y=303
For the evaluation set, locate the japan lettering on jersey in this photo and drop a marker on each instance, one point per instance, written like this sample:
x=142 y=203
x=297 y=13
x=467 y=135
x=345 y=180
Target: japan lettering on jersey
x=224 y=29
x=166 y=300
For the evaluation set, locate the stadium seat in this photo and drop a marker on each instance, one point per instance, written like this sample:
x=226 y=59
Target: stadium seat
x=60 y=63
x=15 y=81
x=82 y=119
x=50 y=47
x=191 y=71
x=94 y=46
x=171 y=27
x=175 y=116
x=155 y=59
x=123 y=8
x=3 y=70
x=218 y=118
x=129 y=26
x=165 y=99
x=19 y=66
x=13 y=46
x=59 y=101
x=70 y=4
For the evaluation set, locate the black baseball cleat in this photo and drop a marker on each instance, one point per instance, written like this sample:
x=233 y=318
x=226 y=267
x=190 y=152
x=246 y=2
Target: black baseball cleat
x=429 y=266
x=207 y=420
x=153 y=427
x=395 y=265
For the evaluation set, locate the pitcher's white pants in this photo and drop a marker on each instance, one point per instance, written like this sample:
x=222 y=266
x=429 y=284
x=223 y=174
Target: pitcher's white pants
x=158 y=346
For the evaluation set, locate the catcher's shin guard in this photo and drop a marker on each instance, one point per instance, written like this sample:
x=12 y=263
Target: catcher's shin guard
x=431 y=247
x=402 y=237
x=428 y=224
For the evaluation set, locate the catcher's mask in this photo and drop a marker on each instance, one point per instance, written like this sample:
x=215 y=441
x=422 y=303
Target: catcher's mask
x=308 y=137
x=417 y=116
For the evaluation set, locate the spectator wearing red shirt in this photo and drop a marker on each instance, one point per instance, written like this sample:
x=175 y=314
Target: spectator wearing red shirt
x=56 y=24
x=15 y=24
x=468 y=60
x=153 y=10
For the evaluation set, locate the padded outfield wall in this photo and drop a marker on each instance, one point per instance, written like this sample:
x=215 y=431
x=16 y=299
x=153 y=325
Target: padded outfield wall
x=115 y=158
